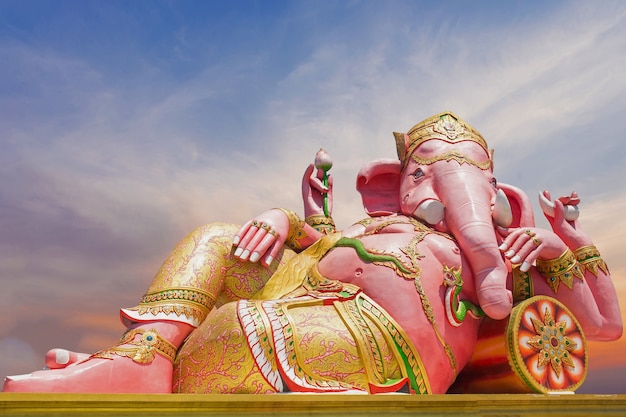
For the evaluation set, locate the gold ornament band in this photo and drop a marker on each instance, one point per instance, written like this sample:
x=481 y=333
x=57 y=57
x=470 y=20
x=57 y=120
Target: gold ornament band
x=192 y=303
x=562 y=269
x=296 y=230
x=321 y=223
x=453 y=155
x=590 y=260
x=145 y=349
x=522 y=285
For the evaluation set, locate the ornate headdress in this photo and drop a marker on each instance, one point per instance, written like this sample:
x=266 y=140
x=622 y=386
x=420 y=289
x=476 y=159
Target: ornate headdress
x=444 y=126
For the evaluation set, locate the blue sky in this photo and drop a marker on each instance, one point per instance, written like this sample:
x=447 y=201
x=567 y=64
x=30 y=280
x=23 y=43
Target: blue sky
x=124 y=125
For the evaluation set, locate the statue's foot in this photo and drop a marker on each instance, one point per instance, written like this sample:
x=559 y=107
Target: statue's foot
x=141 y=363
x=62 y=358
x=97 y=375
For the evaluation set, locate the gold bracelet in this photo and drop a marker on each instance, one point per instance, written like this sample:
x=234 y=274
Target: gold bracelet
x=296 y=230
x=144 y=350
x=321 y=223
x=590 y=260
x=564 y=268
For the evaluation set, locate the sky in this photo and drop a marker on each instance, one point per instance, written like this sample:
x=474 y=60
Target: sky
x=124 y=125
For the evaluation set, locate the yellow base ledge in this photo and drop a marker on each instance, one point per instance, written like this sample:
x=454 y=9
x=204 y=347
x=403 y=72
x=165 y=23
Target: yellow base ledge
x=119 y=405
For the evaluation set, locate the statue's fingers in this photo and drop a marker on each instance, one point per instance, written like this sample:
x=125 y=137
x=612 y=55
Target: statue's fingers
x=273 y=249
x=547 y=194
x=308 y=174
x=318 y=185
x=527 y=253
x=515 y=241
x=559 y=212
x=570 y=200
x=253 y=243
x=247 y=237
x=241 y=233
x=263 y=246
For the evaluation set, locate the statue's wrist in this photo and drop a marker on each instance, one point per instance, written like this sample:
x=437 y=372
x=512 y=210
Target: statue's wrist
x=321 y=223
x=296 y=230
x=561 y=269
x=590 y=260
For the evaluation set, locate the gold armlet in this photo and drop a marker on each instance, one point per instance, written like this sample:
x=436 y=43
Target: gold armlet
x=523 y=287
x=296 y=230
x=564 y=268
x=589 y=259
x=321 y=223
x=144 y=350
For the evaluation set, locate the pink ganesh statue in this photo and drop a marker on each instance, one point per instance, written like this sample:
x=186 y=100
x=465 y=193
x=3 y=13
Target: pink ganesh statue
x=397 y=302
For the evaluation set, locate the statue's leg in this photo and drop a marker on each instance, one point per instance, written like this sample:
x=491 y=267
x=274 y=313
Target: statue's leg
x=216 y=359
x=199 y=274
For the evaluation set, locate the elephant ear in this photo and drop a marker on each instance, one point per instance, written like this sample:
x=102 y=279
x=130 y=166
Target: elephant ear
x=378 y=182
x=520 y=206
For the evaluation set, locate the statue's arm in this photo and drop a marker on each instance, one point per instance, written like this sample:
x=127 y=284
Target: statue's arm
x=596 y=273
x=260 y=238
x=564 y=264
x=317 y=194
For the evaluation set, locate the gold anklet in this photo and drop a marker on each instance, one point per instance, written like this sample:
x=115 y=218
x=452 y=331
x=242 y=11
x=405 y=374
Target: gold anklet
x=562 y=269
x=590 y=260
x=145 y=349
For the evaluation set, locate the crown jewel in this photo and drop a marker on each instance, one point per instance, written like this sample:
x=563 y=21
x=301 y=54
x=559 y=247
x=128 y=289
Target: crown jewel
x=449 y=126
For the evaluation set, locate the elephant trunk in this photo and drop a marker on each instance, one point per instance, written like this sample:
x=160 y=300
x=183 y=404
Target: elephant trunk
x=469 y=218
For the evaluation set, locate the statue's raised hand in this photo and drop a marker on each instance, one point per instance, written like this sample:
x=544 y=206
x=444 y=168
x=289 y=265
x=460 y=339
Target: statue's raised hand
x=317 y=186
x=562 y=214
x=262 y=237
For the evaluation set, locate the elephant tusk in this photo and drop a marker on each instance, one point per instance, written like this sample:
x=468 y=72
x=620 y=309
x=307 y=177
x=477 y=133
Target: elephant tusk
x=571 y=212
x=502 y=213
x=431 y=211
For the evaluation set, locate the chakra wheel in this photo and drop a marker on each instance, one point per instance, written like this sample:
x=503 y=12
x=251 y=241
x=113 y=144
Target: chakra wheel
x=546 y=346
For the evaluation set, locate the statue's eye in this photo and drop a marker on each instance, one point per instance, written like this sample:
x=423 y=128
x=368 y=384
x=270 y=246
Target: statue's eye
x=418 y=173
x=494 y=183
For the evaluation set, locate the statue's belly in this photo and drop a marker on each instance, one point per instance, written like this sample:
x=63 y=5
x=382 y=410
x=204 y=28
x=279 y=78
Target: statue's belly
x=408 y=284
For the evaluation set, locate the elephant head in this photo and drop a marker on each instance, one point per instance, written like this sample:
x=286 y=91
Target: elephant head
x=444 y=177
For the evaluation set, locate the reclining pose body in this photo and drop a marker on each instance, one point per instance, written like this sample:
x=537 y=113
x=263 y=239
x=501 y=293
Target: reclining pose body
x=392 y=303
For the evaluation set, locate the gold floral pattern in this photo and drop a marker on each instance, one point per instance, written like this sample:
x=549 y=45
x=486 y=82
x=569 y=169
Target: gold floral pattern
x=554 y=346
x=546 y=346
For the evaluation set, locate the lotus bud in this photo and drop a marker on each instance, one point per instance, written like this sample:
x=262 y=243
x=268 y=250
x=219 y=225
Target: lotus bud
x=325 y=163
x=323 y=160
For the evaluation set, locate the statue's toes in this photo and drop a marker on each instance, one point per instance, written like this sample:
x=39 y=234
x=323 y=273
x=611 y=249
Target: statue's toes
x=61 y=358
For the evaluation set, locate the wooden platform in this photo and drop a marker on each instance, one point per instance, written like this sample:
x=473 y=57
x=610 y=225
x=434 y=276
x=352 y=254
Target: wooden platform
x=310 y=405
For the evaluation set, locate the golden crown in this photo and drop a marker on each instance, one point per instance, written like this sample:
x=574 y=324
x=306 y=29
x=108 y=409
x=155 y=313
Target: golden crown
x=445 y=126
